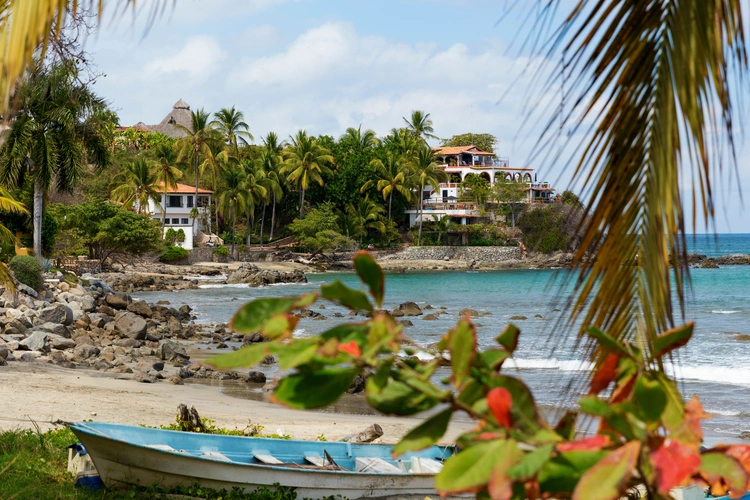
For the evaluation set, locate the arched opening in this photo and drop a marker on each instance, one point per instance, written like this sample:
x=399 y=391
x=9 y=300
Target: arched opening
x=485 y=176
x=527 y=177
x=517 y=177
x=499 y=176
x=455 y=178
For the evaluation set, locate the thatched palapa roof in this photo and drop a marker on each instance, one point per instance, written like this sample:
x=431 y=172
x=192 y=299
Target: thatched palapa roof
x=180 y=114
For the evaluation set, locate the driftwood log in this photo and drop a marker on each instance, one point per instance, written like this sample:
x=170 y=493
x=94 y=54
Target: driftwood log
x=366 y=436
x=189 y=420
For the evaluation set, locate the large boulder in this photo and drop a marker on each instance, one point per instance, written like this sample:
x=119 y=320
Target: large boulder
x=140 y=308
x=131 y=325
x=60 y=343
x=3 y=350
x=85 y=351
x=468 y=312
x=37 y=341
x=55 y=328
x=410 y=309
x=57 y=313
x=116 y=301
x=253 y=276
x=170 y=350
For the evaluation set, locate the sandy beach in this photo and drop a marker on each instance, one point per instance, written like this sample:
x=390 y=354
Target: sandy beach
x=45 y=393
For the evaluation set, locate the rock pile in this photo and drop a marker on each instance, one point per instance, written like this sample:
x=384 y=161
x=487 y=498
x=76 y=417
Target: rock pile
x=252 y=275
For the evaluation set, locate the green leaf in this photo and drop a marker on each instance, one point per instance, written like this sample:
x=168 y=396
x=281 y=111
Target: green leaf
x=314 y=389
x=493 y=358
x=393 y=397
x=671 y=340
x=251 y=317
x=353 y=299
x=279 y=325
x=470 y=469
x=614 y=418
x=607 y=342
x=471 y=393
x=523 y=411
x=566 y=427
x=608 y=479
x=726 y=467
x=245 y=357
x=531 y=463
x=295 y=353
x=347 y=332
x=674 y=411
x=509 y=338
x=426 y=434
x=370 y=272
x=651 y=398
x=462 y=342
x=560 y=474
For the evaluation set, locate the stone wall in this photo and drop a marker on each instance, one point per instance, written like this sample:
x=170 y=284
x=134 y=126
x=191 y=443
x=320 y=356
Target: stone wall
x=207 y=255
x=480 y=254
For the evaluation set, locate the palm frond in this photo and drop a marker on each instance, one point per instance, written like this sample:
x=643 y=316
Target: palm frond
x=655 y=78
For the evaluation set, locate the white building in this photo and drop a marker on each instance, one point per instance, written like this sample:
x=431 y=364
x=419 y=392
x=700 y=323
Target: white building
x=179 y=202
x=462 y=161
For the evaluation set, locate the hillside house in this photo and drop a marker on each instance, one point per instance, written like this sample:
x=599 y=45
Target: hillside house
x=180 y=201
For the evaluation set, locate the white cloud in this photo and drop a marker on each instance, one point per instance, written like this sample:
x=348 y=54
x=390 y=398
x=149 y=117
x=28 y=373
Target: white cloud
x=198 y=59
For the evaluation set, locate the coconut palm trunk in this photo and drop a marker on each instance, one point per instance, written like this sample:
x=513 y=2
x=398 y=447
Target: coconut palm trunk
x=390 y=202
x=38 y=211
x=234 y=227
x=262 y=223
x=195 y=164
x=273 y=217
x=301 y=202
x=421 y=208
x=164 y=211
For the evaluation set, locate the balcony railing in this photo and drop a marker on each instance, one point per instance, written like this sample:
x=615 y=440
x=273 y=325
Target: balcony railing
x=450 y=205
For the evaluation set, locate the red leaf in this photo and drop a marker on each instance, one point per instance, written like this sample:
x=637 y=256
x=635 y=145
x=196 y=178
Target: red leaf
x=351 y=348
x=499 y=401
x=690 y=430
x=605 y=374
x=486 y=436
x=590 y=443
x=739 y=452
x=674 y=463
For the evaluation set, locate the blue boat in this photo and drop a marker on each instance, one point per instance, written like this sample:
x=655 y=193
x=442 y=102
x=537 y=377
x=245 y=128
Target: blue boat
x=131 y=455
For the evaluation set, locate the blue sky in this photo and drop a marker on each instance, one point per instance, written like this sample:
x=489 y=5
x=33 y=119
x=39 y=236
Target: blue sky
x=325 y=65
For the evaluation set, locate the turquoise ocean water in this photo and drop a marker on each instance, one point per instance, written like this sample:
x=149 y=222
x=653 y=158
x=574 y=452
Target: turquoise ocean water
x=715 y=365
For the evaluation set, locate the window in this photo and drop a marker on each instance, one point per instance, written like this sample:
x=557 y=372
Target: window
x=175 y=222
x=184 y=222
x=174 y=201
x=203 y=201
x=190 y=202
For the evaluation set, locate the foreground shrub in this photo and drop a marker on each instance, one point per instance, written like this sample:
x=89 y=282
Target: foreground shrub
x=222 y=250
x=171 y=254
x=27 y=270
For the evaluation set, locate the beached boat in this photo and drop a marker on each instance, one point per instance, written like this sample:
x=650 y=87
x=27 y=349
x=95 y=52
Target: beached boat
x=130 y=455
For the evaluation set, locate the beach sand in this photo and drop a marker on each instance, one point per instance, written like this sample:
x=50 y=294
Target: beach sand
x=46 y=393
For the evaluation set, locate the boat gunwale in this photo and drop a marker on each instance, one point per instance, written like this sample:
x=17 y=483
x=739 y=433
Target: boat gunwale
x=82 y=426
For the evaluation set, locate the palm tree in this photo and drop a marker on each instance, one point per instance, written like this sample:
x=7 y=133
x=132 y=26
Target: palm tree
x=255 y=193
x=167 y=174
x=424 y=174
x=402 y=141
x=200 y=136
x=270 y=164
x=305 y=161
x=421 y=125
x=231 y=124
x=365 y=215
x=392 y=176
x=368 y=139
x=217 y=158
x=136 y=184
x=442 y=225
x=233 y=197
x=49 y=139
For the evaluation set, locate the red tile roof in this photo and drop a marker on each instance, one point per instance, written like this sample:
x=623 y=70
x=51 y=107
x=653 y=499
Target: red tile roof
x=185 y=189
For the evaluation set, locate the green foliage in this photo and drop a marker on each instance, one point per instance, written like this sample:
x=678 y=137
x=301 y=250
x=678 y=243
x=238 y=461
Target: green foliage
x=551 y=227
x=180 y=235
x=106 y=229
x=27 y=270
x=318 y=230
x=170 y=236
x=221 y=250
x=572 y=199
x=133 y=139
x=647 y=433
x=485 y=142
x=173 y=253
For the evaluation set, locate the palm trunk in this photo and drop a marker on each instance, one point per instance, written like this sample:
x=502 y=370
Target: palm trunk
x=234 y=225
x=301 y=202
x=421 y=207
x=273 y=217
x=164 y=211
x=262 y=223
x=247 y=223
x=195 y=163
x=390 y=202
x=38 y=212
